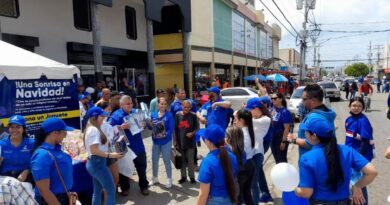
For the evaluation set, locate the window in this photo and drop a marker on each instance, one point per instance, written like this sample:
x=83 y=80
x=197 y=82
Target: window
x=9 y=8
x=131 y=23
x=238 y=23
x=250 y=39
x=263 y=44
x=82 y=15
x=269 y=46
x=234 y=92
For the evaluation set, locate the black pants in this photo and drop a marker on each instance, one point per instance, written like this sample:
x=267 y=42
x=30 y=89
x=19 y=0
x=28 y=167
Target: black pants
x=279 y=155
x=319 y=202
x=245 y=183
x=346 y=93
x=15 y=174
x=140 y=165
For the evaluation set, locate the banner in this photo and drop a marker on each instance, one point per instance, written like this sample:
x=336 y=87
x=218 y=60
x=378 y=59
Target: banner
x=39 y=99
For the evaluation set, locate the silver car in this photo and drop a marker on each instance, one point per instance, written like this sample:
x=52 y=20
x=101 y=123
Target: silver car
x=238 y=95
x=296 y=99
x=331 y=90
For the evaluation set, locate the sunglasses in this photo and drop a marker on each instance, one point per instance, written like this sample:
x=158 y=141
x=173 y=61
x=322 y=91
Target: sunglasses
x=275 y=98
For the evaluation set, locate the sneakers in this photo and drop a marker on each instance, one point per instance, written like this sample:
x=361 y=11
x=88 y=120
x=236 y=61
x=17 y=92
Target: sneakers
x=154 y=181
x=266 y=197
x=168 y=184
x=182 y=180
x=145 y=192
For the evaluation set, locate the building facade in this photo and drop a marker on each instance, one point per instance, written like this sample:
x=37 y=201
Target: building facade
x=229 y=39
x=290 y=56
x=61 y=30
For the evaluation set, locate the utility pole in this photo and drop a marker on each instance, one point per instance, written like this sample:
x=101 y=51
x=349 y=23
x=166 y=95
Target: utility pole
x=369 y=55
x=1 y=35
x=150 y=53
x=97 y=48
x=378 y=48
x=308 y=4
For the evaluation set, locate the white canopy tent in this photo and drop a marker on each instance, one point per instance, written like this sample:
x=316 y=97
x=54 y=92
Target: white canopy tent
x=17 y=63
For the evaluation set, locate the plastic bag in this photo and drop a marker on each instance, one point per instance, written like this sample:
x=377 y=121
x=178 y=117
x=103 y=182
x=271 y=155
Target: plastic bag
x=126 y=164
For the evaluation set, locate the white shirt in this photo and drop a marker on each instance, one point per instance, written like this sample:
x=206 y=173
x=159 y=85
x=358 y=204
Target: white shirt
x=108 y=130
x=83 y=112
x=260 y=126
x=247 y=143
x=92 y=137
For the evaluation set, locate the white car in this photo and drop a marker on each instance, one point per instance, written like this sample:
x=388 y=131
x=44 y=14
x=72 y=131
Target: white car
x=296 y=99
x=238 y=95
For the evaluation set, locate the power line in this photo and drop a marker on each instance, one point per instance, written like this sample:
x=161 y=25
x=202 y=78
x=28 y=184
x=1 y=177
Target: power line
x=277 y=19
x=343 y=60
x=357 y=23
x=373 y=31
x=288 y=21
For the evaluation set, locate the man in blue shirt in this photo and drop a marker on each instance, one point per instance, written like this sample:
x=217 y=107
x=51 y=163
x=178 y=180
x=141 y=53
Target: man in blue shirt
x=312 y=99
x=215 y=111
x=136 y=145
x=180 y=97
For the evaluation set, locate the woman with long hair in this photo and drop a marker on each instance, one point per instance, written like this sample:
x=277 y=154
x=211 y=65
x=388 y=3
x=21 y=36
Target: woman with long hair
x=234 y=137
x=325 y=171
x=217 y=170
x=282 y=122
x=261 y=125
x=359 y=136
x=97 y=143
x=16 y=150
x=163 y=124
x=49 y=163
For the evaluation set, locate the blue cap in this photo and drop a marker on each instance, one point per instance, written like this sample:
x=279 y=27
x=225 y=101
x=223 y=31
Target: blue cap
x=17 y=119
x=214 y=89
x=86 y=94
x=265 y=99
x=55 y=124
x=253 y=103
x=95 y=111
x=320 y=126
x=213 y=133
x=81 y=97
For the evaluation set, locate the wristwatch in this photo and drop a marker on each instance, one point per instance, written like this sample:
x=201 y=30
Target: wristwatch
x=294 y=141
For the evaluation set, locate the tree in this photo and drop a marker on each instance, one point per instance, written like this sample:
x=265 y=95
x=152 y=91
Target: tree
x=357 y=69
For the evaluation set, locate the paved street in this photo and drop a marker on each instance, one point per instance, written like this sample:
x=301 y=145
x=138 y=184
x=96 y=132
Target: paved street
x=187 y=193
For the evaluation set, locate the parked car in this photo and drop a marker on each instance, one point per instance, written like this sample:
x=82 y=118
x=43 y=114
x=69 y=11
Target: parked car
x=296 y=99
x=331 y=90
x=338 y=81
x=350 y=81
x=238 y=95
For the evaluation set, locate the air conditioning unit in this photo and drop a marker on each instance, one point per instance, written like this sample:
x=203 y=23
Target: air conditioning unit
x=9 y=8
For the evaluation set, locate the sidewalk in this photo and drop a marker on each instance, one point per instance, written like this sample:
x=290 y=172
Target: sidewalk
x=187 y=194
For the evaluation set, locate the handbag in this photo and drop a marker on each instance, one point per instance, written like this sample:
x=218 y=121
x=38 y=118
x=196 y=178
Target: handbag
x=73 y=198
x=388 y=113
x=176 y=158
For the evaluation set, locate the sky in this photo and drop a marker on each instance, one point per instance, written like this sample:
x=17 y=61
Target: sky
x=335 y=15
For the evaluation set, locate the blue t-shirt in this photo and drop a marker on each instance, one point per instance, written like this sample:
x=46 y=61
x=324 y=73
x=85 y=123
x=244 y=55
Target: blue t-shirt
x=313 y=172
x=16 y=158
x=136 y=143
x=362 y=126
x=163 y=127
x=280 y=117
x=42 y=167
x=211 y=172
x=176 y=106
x=217 y=116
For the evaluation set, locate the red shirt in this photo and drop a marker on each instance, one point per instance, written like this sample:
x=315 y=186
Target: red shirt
x=366 y=89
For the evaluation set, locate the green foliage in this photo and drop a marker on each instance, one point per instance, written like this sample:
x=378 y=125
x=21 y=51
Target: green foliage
x=357 y=69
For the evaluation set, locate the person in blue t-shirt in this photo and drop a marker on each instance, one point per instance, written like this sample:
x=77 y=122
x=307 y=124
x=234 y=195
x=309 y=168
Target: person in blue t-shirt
x=136 y=145
x=282 y=122
x=180 y=97
x=48 y=161
x=16 y=150
x=325 y=170
x=312 y=99
x=359 y=135
x=217 y=170
x=215 y=111
x=162 y=124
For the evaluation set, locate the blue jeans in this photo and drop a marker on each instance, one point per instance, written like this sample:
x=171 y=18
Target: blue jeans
x=258 y=161
x=219 y=200
x=102 y=180
x=165 y=149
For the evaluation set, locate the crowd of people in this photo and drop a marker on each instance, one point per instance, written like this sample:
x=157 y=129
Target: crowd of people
x=231 y=173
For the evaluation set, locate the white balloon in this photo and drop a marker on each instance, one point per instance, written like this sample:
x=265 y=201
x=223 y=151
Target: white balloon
x=285 y=177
